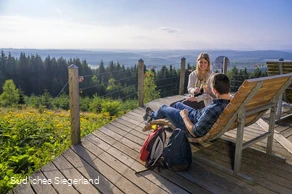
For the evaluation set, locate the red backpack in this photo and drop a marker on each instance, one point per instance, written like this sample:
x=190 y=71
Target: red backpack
x=153 y=146
x=177 y=155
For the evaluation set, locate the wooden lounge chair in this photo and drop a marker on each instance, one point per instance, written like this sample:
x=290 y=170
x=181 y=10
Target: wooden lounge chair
x=277 y=68
x=250 y=102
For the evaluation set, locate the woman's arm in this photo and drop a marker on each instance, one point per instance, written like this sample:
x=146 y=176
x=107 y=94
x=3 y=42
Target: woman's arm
x=192 y=84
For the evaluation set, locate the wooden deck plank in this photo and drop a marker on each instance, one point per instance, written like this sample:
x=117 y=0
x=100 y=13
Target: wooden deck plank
x=125 y=134
x=134 y=114
x=286 y=132
x=170 y=100
x=120 y=123
x=206 y=178
x=71 y=173
x=126 y=163
x=232 y=184
x=248 y=136
x=265 y=159
x=126 y=171
x=122 y=139
x=138 y=119
x=283 y=154
x=283 y=130
x=279 y=137
x=118 y=152
x=262 y=144
x=257 y=162
x=134 y=122
x=116 y=178
x=277 y=148
x=132 y=156
x=111 y=154
x=154 y=105
x=127 y=126
x=205 y=181
x=171 y=176
x=261 y=175
x=41 y=188
x=58 y=180
x=23 y=189
x=90 y=172
x=139 y=111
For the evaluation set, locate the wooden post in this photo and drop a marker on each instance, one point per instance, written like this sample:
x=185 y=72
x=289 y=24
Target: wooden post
x=284 y=96
x=271 y=129
x=224 y=70
x=182 y=76
x=74 y=104
x=239 y=140
x=141 y=83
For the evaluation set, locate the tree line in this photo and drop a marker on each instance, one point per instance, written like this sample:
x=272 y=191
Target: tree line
x=34 y=76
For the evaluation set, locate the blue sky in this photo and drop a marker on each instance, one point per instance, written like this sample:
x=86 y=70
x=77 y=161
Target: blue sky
x=151 y=24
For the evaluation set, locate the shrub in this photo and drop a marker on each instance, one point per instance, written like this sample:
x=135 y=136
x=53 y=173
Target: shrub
x=33 y=101
x=84 y=103
x=62 y=102
x=113 y=107
x=10 y=94
x=128 y=105
x=95 y=104
x=150 y=91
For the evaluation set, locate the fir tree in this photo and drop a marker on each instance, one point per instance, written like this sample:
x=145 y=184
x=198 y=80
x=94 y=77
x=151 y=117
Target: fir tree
x=10 y=94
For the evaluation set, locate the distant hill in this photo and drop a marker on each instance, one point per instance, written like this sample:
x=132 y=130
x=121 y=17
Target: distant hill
x=154 y=57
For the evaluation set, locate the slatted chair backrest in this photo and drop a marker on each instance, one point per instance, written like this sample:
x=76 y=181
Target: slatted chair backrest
x=252 y=100
x=281 y=67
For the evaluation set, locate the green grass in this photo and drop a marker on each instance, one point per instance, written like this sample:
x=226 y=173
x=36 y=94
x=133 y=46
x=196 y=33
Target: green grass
x=30 y=138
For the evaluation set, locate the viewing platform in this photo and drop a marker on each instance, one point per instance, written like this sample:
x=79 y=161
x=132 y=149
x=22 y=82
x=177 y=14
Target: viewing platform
x=107 y=159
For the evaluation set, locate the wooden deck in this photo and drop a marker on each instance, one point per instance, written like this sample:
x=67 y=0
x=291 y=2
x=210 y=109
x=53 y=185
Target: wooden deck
x=109 y=158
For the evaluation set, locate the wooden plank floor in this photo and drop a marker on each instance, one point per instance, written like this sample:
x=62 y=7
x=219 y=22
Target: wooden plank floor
x=107 y=160
x=284 y=126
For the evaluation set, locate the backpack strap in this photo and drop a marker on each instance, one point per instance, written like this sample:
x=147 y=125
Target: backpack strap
x=160 y=164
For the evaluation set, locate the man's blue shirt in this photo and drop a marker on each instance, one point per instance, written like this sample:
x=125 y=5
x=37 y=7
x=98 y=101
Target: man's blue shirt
x=205 y=118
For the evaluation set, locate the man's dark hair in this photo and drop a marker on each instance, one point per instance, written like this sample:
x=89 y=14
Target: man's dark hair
x=221 y=83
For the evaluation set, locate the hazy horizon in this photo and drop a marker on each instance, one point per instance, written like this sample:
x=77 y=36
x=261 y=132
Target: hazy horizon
x=116 y=50
x=154 y=58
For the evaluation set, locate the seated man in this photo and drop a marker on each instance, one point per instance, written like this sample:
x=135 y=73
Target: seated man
x=196 y=122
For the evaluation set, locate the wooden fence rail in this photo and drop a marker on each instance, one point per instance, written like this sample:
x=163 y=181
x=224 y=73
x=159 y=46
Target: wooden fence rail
x=74 y=94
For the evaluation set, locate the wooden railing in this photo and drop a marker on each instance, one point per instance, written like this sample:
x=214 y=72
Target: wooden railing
x=277 y=68
x=74 y=104
x=74 y=93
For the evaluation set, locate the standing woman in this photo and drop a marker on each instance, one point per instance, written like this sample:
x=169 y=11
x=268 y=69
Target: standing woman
x=199 y=86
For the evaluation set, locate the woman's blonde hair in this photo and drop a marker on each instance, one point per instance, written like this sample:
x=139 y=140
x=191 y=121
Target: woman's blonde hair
x=201 y=75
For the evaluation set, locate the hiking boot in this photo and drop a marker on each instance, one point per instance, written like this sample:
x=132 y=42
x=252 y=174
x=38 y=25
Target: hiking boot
x=147 y=118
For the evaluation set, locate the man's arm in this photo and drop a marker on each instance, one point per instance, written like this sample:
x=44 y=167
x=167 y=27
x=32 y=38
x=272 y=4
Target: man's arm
x=187 y=121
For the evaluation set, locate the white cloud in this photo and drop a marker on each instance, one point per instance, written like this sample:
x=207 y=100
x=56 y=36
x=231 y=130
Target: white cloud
x=26 y=32
x=168 y=29
x=54 y=33
x=59 y=11
x=19 y=32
